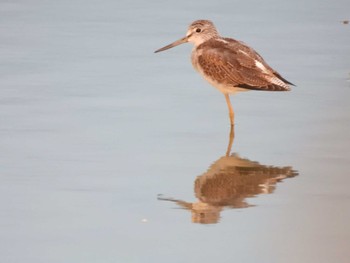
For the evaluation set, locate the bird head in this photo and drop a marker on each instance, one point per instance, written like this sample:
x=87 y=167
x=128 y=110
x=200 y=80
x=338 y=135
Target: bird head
x=198 y=32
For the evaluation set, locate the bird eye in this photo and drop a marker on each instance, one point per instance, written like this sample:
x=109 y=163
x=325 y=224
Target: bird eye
x=198 y=30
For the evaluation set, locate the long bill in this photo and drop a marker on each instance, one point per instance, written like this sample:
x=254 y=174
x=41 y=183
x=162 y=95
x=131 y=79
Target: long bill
x=174 y=44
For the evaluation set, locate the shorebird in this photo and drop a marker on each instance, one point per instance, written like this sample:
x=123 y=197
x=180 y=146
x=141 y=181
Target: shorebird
x=229 y=65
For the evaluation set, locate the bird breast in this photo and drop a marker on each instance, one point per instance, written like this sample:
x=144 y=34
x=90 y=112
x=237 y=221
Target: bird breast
x=223 y=88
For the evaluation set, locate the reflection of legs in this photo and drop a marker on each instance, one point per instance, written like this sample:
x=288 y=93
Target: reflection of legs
x=230 y=143
x=230 y=109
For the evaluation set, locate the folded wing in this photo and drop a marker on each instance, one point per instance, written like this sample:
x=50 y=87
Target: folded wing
x=233 y=63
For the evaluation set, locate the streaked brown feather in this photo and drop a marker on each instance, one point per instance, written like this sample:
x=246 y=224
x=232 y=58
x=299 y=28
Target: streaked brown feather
x=233 y=63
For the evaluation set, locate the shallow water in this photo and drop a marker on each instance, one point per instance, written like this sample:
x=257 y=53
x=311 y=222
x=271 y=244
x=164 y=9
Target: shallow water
x=96 y=130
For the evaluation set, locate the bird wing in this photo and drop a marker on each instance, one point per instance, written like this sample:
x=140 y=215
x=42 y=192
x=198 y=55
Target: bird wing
x=235 y=64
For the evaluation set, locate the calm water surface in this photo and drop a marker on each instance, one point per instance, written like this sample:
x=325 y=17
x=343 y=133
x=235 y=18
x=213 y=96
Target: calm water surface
x=110 y=153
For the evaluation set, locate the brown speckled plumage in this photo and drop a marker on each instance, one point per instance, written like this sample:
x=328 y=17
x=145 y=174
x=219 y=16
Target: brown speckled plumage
x=233 y=64
x=229 y=65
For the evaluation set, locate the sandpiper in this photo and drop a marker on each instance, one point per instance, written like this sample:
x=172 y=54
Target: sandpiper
x=229 y=65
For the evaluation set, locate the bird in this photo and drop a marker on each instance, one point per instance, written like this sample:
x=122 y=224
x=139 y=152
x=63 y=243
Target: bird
x=228 y=64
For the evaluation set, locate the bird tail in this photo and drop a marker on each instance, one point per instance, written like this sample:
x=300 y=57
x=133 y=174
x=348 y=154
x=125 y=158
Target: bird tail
x=283 y=79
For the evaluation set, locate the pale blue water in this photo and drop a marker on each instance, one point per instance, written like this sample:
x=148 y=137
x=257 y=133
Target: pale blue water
x=94 y=126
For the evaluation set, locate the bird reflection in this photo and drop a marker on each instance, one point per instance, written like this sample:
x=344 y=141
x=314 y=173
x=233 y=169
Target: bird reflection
x=228 y=182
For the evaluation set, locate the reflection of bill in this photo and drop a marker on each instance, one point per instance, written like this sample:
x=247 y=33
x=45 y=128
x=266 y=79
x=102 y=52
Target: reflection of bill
x=228 y=182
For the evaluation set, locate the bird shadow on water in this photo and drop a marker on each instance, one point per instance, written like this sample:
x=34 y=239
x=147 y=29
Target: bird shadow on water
x=228 y=182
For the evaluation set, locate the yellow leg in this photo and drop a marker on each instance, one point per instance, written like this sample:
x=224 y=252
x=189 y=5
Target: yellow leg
x=231 y=139
x=230 y=109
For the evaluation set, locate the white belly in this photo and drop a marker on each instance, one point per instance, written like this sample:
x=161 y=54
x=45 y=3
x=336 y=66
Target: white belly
x=221 y=87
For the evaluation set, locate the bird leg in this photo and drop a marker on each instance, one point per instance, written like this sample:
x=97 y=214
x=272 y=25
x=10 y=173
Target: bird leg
x=230 y=109
x=231 y=139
